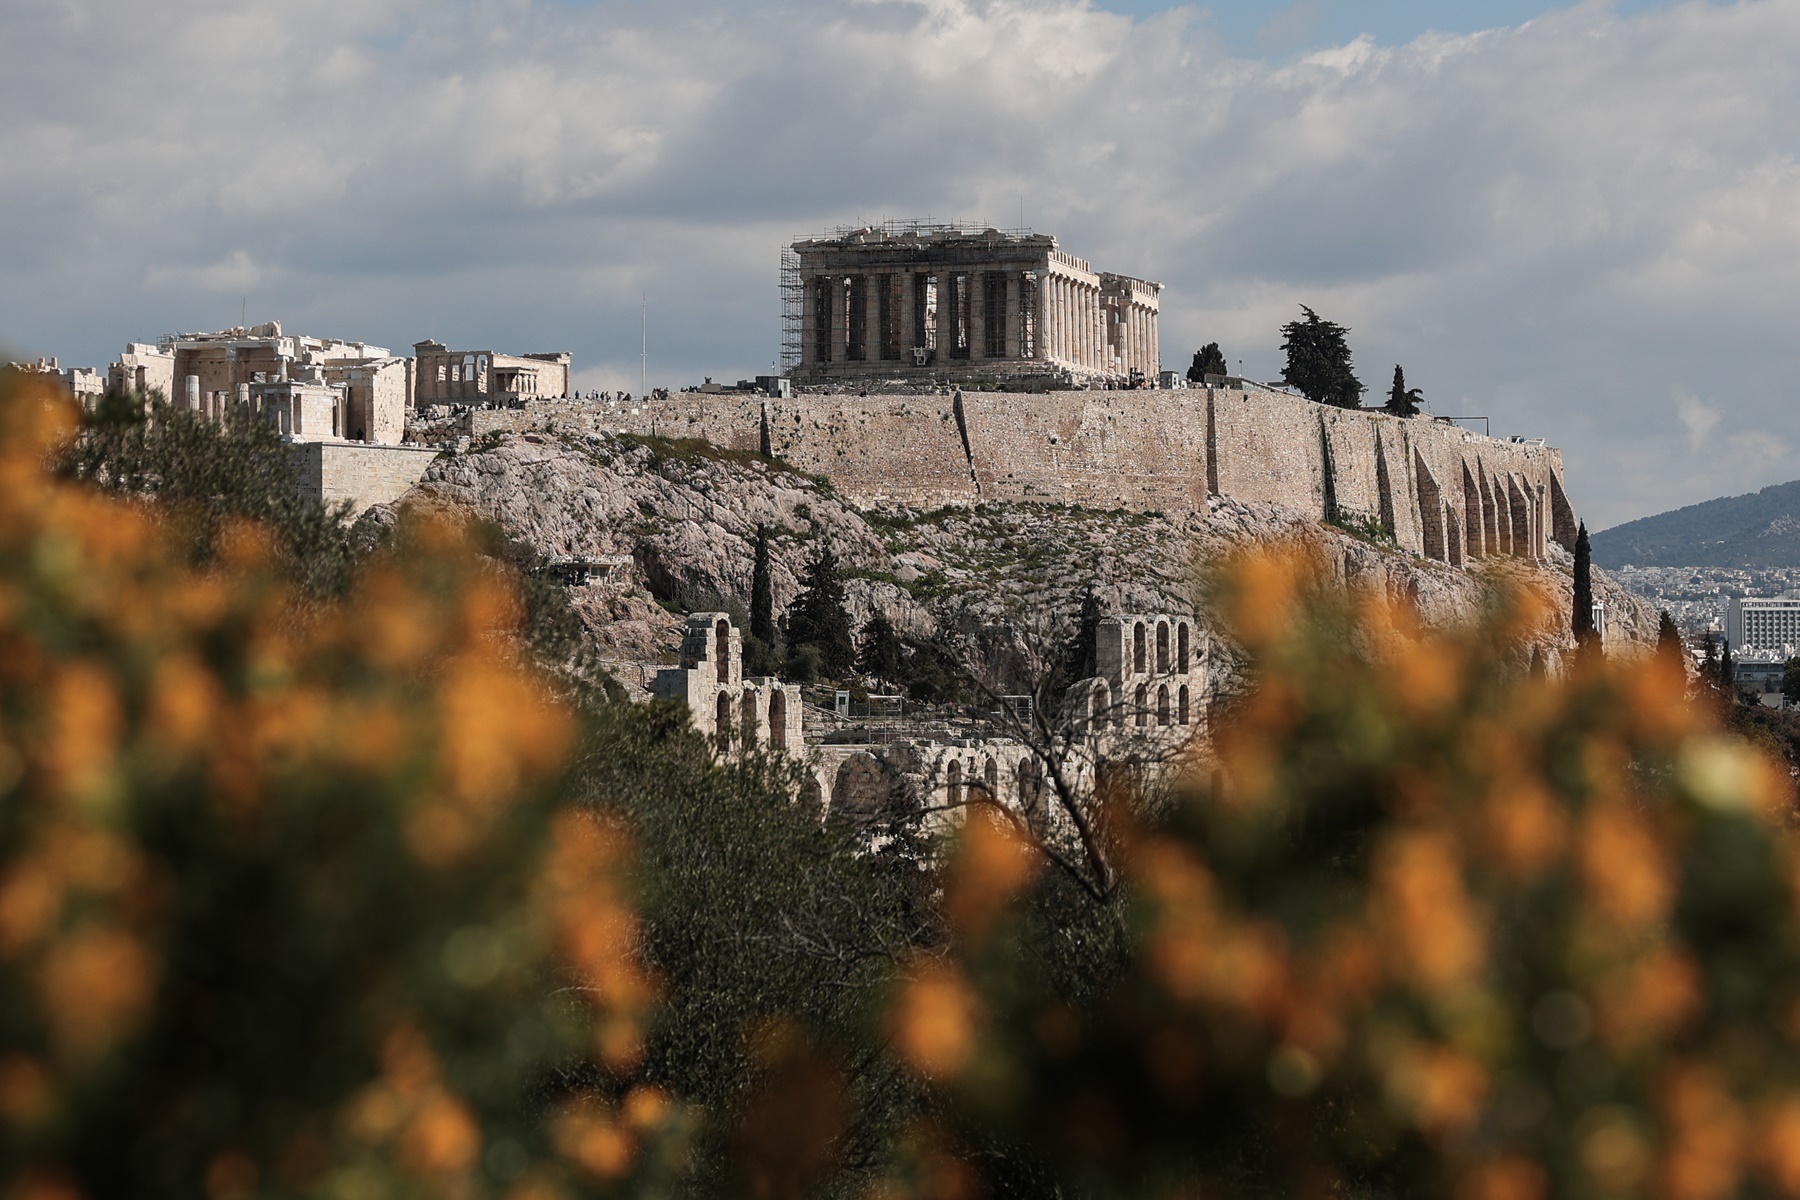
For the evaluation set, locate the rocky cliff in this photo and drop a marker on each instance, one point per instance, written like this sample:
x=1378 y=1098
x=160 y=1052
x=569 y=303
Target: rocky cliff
x=687 y=514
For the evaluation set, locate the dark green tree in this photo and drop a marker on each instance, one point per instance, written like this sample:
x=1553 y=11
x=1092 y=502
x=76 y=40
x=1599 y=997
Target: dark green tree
x=1080 y=661
x=1208 y=360
x=760 y=654
x=1318 y=361
x=1581 y=620
x=1403 y=401
x=820 y=616
x=1668 y=640
x=1790 y=681
x=882 y=655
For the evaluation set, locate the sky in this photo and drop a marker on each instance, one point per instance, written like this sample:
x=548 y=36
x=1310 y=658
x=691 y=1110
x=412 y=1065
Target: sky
x=1582 y=221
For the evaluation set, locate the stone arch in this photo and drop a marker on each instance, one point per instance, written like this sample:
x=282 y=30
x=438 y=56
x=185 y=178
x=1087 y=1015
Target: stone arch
x=863 y=787
x=1162 y=647
x=1475 y=546
x=1183 y=648
x=1163 y=717
x=1099 y=701
x=1139 y=656
x=778 y=719
x=749 y=717
x=1521 y=517
x=722 y=721
x=1431 y=510
x=1143 y=705
x=1183 y=706
x=953 y=792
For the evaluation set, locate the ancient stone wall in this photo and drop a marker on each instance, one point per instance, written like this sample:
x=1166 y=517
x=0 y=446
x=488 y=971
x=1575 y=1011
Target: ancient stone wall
x=1437 y=489
x=362 y=473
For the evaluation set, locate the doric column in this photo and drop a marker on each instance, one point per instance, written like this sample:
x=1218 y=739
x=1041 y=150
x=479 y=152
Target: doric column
x=977 y=315
x=909 y=334
x=1090 y=327
x=876 y=282
x=1150 y=340
x=837 y=305
x=1053 y=288
x=809 y=323
x=1015 y=314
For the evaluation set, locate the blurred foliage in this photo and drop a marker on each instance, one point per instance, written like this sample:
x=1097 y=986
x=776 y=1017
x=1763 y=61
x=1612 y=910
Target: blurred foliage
x=287 y=905
x=209 y=476
x=1433 y=926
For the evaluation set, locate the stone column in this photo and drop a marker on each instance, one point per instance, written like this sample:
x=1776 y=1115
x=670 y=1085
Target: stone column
x=1150 y=342
x=809 y=322
x=840 y=318
x=977 y=315
x=1053 y=316
x=876 y=282
x=909 y=335
x=1015 y=314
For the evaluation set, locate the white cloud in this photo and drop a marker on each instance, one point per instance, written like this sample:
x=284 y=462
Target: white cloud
x=1554 y=224
x=1699 y=418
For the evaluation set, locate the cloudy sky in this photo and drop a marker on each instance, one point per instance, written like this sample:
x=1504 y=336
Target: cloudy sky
x=1581 y=221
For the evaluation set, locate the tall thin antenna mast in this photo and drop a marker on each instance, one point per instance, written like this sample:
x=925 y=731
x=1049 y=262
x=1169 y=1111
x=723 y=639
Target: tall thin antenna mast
x=644 y=345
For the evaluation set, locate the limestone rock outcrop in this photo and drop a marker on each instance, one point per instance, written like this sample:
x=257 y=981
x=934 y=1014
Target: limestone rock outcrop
x=687 y=514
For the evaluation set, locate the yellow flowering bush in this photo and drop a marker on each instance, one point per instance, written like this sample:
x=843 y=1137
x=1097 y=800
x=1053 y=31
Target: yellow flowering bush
x=1430 y=925
x=288 y=905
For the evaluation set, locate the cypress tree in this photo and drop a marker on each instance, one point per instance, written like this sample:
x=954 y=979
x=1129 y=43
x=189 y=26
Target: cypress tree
x=820 y=617
x=1403 y=401
x=881 y=654
x=1668 y=640
x=1081 y=661
x=762 y=592
x=1582 y=619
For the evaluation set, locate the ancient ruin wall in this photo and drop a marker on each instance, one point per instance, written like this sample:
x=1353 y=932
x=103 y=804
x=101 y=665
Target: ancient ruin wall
x=1438 y=489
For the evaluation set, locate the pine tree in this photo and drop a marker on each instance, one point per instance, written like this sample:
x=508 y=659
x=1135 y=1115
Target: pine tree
x=881 y=654
x=1582 y=619
x=1668 y=640
x=1318 y=361
x=820 y=617
x=1403 y=401
x=1208 y=360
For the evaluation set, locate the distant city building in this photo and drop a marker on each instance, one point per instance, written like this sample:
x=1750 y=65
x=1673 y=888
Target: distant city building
x=1765 y=623
x=942 y=301
x=466 y=377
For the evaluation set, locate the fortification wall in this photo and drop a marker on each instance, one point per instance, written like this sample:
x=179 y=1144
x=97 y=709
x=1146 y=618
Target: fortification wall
x=1437 y=489
x=363 y=473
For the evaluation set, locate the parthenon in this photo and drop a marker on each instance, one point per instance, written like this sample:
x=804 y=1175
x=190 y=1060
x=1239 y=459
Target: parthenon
x=948 y=302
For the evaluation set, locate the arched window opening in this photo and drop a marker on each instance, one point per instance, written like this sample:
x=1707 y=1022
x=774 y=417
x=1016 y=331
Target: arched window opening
x=1138 y=664
x=749 y=719
x=1099 y=700
x=953 y=782
x=722 y=647
x=722 y=725
x=1181 y=648
x=1162 y=647
x=1162 y=706
x=1143 y=705
x=991 y=773
x=778 y=719
x=1181 y=706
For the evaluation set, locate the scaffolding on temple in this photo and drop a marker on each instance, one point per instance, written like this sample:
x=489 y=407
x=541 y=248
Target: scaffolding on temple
x=793 y=309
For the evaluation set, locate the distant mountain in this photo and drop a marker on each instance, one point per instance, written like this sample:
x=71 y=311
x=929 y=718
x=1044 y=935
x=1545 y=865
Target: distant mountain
x=1761 y=529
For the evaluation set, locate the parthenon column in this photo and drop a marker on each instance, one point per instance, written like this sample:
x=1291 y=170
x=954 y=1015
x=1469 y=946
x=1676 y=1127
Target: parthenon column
x=809 y=327
x=976 y=318
x=837 y=298
x=1091 y=306
x=909 y=334
x=873 y=283
x=1058 y=322
x=1015 y=314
